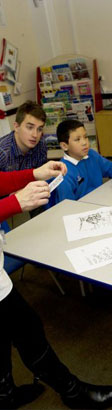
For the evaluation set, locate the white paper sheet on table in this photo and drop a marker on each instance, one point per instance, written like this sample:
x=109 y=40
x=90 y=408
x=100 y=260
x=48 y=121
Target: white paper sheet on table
x=91 y=256
x=88 y=224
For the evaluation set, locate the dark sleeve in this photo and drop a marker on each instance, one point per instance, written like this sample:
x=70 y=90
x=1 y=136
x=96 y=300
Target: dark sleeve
x=44 y=151
x=3 y=160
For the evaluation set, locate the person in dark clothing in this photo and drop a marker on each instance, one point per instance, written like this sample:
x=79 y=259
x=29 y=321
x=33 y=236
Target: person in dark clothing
x=20 y=325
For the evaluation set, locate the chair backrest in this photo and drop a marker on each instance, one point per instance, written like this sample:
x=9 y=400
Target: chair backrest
x=5 y=226
x=11 y=263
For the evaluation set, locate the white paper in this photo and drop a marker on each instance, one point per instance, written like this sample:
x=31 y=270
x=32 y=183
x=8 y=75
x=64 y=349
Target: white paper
x=91 y=256
x=57 y=181
x=88 y=224
x=17 y=88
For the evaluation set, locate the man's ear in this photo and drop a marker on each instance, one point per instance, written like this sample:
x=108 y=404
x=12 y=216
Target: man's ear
x=64 y=146
x=16 y=125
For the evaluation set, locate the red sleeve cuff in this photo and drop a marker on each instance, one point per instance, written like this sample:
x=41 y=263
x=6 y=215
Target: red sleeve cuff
x=8 y=207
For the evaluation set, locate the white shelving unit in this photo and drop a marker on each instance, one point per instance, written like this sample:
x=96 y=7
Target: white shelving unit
x=79 y=106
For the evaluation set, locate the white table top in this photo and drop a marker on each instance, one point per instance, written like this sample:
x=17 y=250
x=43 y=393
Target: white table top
x=43 y=240
x=100 y=196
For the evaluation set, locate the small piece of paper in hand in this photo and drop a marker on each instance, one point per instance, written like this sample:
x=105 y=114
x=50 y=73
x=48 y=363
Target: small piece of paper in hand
x=56 y=182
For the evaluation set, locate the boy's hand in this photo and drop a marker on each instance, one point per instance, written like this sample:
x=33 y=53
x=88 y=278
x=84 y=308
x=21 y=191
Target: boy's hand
x=49 y=170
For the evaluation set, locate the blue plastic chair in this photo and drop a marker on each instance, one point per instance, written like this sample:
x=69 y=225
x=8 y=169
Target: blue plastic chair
x=11 y=263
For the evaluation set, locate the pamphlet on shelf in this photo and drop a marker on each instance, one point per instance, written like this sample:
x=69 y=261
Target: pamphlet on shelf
x=55 y=112
x=66 y=92
x=83 y=111
x=78 y=68
x=69 y=88
x=54 y=108
x=84 y=88
x=51 y=141
x=63 y=95
x=62 y=72
x=46 y=89
x=46 y=73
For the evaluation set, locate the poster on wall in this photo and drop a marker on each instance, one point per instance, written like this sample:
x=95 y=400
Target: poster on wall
x=10 y=57
x=11 y=76
x=5 y=100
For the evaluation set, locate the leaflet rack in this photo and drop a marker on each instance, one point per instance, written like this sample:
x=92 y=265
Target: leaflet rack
x=65 y=89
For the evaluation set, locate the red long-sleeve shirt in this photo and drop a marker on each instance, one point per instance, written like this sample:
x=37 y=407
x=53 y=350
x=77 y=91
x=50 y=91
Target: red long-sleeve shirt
x=12 y=182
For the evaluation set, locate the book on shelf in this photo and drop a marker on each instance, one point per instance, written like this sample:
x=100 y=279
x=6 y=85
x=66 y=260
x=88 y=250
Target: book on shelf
x=83 y=98
x=65 y=92
x=52 y=141
x=54 y=108
x=46 y=73
x=61 y=72
x=64 y=96
x=84 y=88
x=78 y=68
x=52 y=121
x=46 y=89
x=55 y=112
x=83 y=111
x=70 y=88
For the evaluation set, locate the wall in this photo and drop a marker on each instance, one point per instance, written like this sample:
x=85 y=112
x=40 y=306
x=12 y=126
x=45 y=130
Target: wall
x=93 y=29
x=59 y=21
x=19 y=32
x=39 y=34
x=83 y=27
x=58 y=27
x=53 y=29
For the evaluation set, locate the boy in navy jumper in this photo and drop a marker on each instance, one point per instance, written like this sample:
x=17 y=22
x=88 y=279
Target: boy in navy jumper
x=86 y=167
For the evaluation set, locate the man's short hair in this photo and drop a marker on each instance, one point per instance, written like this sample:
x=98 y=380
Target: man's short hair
x=64 y=128
x=32 y=108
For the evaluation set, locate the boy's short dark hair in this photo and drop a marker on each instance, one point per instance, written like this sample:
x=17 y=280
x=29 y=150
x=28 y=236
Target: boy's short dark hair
x=32 y=108
x=64 y=128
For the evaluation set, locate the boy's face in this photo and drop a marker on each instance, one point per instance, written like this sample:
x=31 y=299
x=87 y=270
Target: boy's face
x=28 y=133
x=78 y=144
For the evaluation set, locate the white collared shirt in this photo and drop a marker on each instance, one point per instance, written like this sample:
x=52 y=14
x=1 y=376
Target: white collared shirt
x=74 y=160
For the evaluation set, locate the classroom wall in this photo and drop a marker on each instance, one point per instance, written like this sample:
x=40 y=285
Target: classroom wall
x=57 y=27
x=77 y=26
x=39 y=33
x=92 y=27
x=19 y=31
x=83 y=27
x=53 y=29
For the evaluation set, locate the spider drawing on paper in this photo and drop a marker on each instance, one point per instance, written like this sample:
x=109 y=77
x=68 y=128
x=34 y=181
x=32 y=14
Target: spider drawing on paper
x=93 y=219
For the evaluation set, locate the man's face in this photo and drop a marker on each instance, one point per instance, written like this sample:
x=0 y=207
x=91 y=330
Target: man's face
x=28 y=133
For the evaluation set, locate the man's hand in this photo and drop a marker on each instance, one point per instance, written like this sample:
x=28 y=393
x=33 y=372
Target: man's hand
x=49 y=170
x=33 y=195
